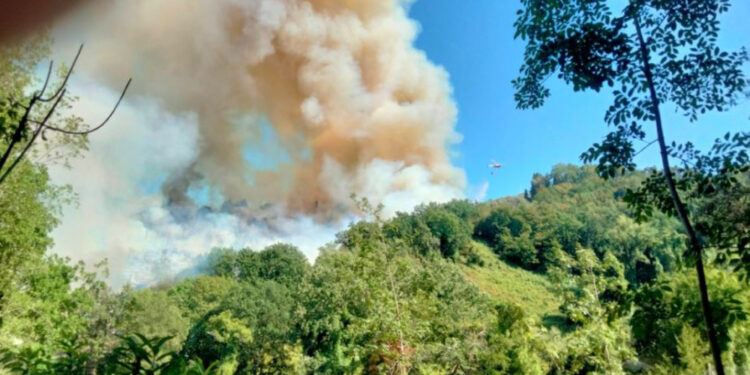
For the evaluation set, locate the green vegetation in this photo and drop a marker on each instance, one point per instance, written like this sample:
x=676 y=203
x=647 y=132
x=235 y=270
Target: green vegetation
x=566 y=279
x=512 y=285
x=653 y=54
x=437 y=291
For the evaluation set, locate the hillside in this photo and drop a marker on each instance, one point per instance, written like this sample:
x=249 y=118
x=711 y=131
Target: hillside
x=511 y=284
x=556 y=281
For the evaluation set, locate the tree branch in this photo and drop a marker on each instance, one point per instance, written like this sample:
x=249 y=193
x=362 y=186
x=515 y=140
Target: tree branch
x=57 y=97
x=85 y=132
x=46 y=80
x=67 y=76
x=645 y=147
x=695 y=245
x=18 y=133
x=33 y=138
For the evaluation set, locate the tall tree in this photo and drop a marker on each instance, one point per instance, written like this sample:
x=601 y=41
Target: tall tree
x=651 y=52
x=666 y=312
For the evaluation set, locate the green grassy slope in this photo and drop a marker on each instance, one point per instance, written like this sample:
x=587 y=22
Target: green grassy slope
x=508 y=284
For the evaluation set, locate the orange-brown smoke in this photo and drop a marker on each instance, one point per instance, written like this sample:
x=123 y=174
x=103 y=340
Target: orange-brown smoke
x=354 y=106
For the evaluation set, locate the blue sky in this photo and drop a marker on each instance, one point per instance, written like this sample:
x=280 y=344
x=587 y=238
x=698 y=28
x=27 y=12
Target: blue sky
x=473 y=41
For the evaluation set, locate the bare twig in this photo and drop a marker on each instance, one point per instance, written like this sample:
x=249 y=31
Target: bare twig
x=46 y=80
x=65 y=80
x=645 y=147
x=42 y=126
x=685 y=162
x=84 y=132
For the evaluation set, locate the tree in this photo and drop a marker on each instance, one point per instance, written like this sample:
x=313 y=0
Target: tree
x=592 y=289
x=49 y=302
x=252 y=330
x=413 y=233
x=374 y=306
x=596 y=303
x=510 y=236
x=180 y=366
x=222 y=262
x=453 y=233
x=29 y=203
x=282 y=263
x=517 y=345
x=53 y=317
x=24 y=118
x=72 y=357
x=196 y=297
x=153 y=313
x=29 y=211
x=465 y=210
x=219 y=339
x=646 y=250
x=656 y=52
x=668 y=319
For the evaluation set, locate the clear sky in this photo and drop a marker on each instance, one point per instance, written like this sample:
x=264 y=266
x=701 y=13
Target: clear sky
x=473 y=41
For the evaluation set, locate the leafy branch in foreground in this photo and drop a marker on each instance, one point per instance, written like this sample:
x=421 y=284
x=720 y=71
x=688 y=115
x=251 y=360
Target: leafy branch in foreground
x=25 y=120
x=139 y=354
x=651 y=53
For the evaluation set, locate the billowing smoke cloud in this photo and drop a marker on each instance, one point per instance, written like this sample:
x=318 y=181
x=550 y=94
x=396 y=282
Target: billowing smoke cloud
x=339 y=82
x=121 y=214
x=282 y=109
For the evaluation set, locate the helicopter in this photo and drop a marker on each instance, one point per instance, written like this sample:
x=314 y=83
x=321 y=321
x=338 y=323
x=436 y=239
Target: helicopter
x=494 y=165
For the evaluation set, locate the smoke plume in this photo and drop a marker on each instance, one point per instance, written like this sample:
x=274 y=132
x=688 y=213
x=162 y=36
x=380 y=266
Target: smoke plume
x=341 y=85
x=294 y=104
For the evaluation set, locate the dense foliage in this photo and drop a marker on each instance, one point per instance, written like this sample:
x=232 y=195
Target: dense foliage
x=561 y=280
x=564 y=279
x=653 y=54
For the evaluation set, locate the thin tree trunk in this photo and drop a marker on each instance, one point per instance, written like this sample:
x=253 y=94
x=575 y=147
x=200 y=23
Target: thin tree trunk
x=17 y=134
x=695 y=245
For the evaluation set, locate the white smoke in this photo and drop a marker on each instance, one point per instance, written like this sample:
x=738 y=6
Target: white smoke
x=121 y=214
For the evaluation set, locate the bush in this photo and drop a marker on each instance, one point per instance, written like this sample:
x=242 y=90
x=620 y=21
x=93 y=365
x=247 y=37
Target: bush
x=431 y=229
x=510 y=236
x=453 y=234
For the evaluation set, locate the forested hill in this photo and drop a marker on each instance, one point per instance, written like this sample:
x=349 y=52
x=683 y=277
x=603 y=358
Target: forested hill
x=559 y=280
